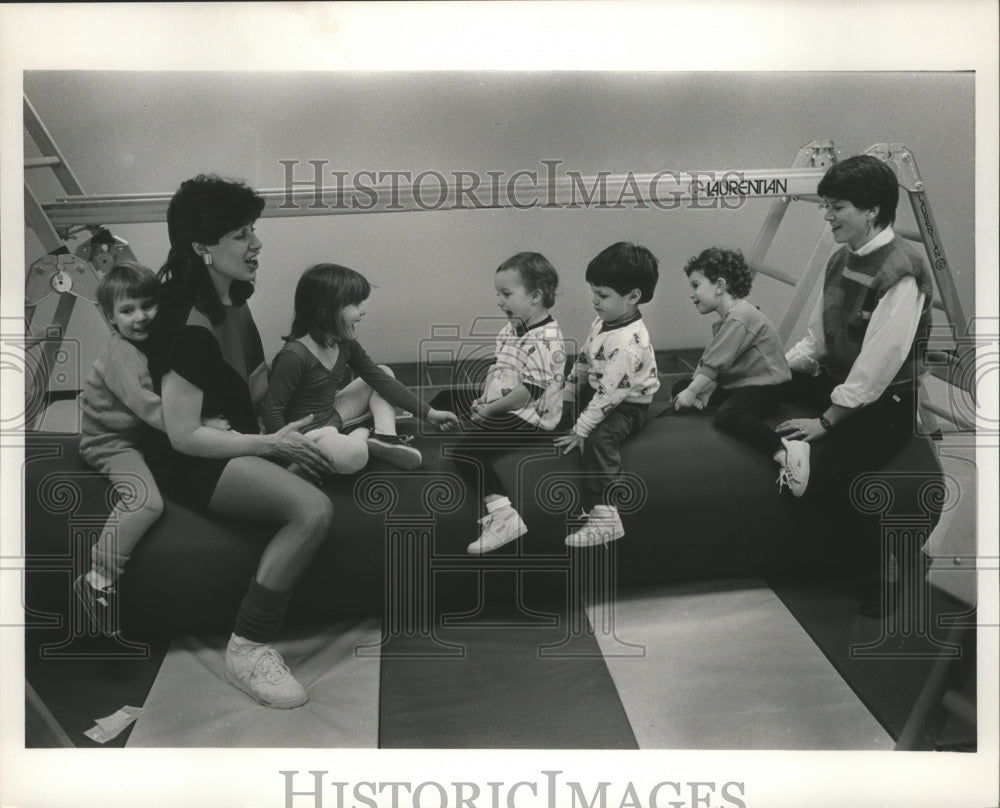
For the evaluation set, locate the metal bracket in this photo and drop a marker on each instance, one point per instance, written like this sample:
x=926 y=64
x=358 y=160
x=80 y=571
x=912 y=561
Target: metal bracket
x=60 y=274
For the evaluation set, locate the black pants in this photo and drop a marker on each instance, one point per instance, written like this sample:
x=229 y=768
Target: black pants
x=741 y=413
x=601 y=454
x=483 y=445
x=861 y=444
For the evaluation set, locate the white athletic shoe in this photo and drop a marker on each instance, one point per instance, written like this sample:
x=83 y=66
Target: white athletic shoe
x=795 y=470
x=261 y=673
x=603 y=525
x=500 y=527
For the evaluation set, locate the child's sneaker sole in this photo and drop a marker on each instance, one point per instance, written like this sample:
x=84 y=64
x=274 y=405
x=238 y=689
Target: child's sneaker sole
x=397 y=454
x=592 y=537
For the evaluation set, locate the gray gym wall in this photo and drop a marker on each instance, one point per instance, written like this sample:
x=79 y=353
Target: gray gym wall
x=138 y=132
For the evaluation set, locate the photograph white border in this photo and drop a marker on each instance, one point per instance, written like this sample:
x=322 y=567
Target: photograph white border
x=687 y=35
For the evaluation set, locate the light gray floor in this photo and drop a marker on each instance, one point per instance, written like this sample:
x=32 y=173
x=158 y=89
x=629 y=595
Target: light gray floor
x=727 y=668
x=192 y=705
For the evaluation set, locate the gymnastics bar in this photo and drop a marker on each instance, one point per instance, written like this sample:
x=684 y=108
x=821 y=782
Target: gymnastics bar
x=665 y=190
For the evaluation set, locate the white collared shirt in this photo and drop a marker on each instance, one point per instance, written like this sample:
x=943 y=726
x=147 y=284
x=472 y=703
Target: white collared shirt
x=886 y=344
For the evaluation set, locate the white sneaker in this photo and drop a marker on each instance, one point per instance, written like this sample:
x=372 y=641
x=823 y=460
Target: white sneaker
x=498 y=528
x=261 y=673
x=795 y=470
x=395 y=450
x=603 y=525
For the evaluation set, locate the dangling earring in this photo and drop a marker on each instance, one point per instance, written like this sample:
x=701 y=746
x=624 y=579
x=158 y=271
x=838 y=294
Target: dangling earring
x=207 y=258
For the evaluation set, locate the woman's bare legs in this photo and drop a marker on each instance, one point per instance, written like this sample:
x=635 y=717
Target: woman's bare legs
x=254 y=488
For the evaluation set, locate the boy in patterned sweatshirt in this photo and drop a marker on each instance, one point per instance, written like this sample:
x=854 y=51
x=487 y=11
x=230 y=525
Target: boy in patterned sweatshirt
x=613 y=381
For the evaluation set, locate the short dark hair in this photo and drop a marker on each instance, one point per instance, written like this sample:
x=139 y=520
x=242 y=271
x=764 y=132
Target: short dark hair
x=729 y=265
x=537 y=274
x=126 y=279
x=866 y=182
x=321 y=294
x=624 y=267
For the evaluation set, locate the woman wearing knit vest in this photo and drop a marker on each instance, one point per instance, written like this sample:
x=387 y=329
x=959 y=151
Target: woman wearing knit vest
x=856 y=365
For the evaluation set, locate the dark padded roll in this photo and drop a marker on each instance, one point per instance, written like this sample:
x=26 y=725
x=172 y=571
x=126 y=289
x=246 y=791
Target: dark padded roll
x=695 y=504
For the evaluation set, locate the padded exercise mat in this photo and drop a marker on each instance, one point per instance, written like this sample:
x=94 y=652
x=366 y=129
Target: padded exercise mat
x=501 y=687
x=726 y=666
x=192 y=705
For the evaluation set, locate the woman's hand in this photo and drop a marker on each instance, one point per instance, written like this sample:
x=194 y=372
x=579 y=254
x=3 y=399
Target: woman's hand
x=569 y=442
x=807 y=429
x=445 y=420
x=291 y=445
x=685 y=400
x=218 y=422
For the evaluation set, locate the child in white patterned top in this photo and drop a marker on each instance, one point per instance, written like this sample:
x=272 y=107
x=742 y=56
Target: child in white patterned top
x=613 y=380
x=523 y=388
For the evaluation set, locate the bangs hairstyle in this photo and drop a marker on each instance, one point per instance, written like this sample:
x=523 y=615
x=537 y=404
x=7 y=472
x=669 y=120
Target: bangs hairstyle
x=322 y=293
x=207 y=207
x=866 y=182
x=126 y=279
x=537 y=275
x=624 y=267
x=729 y=265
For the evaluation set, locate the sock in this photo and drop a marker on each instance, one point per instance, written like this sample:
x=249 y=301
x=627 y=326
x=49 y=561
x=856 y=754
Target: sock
x=261 y=613
x=242 y=643
x=498 y=504
x=98 y=581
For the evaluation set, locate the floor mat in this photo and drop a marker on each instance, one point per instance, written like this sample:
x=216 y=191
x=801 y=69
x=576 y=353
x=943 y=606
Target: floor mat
x=192 y=705
x=511 y=687
x=889 y=686
x=726 y=666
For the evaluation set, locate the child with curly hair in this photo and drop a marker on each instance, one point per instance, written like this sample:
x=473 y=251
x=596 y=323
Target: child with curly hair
x=743 y=366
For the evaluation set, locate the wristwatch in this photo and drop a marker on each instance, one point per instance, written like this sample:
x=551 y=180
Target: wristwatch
x=825 y=423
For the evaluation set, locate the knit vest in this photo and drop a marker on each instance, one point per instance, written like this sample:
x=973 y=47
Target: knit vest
x=852 y=289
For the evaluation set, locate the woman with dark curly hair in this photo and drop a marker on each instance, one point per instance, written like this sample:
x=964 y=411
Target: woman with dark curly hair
x=208 y=362
x=744 y=366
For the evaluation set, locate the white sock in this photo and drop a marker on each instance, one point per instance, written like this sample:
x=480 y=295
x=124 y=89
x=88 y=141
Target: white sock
x=498 y=504
x=98 y=581
x=243 y=643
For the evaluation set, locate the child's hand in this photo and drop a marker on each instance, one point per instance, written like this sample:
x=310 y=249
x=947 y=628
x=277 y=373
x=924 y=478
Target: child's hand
x=706 y=393
x=569 y=442
x=685 y=399
x=478 y=416
x=218 y=422
x=445 y=420
x=479 y=411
